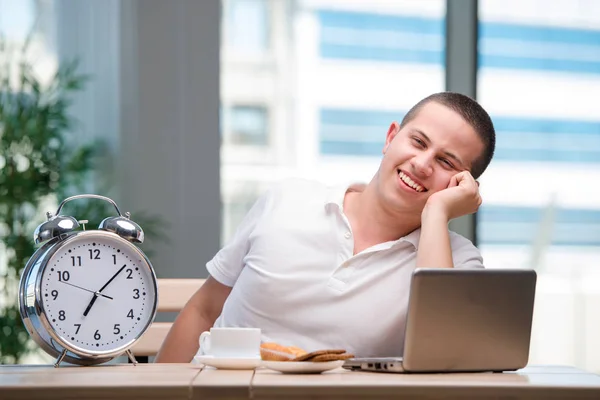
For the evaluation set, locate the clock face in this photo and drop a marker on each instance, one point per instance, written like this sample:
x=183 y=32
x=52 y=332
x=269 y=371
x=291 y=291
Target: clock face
x=98 y=292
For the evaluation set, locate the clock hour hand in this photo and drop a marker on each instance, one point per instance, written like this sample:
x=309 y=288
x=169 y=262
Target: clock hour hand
x=89 y=307
x=96 y=294
x=87 y=290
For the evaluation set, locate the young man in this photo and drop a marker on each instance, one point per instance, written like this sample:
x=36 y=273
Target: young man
x=316 y=267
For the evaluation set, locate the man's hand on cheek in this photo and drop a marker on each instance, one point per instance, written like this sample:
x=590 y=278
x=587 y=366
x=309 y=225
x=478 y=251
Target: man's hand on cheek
x=460 y=198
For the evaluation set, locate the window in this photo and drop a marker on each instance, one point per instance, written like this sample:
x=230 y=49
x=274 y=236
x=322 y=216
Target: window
x=245 y=125
x=16 y=19
x=539 y=69
x=337 y=73
x=239 y=202
x=247 y=25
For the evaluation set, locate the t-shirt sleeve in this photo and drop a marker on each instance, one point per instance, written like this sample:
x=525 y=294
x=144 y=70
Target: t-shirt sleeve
x=228 y=263
x=464 y=253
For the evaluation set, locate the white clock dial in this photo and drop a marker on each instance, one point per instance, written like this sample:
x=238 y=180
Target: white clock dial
x=98 y=293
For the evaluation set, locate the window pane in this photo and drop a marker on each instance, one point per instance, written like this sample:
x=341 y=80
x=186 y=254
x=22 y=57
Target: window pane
x=320 y=98
x=247 y=25
x=31 y=20
x=245 y=125
x=16 y=19
x=539 y=71
x=20 y=21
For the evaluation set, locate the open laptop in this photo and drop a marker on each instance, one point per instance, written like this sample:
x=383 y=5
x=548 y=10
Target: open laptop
x=462 y=320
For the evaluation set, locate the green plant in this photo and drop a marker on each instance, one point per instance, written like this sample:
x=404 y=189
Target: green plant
x=37 y=163
x=40 y=165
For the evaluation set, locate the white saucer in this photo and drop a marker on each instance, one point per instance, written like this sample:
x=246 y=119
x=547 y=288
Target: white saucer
x=302 y=367
x=229 y=363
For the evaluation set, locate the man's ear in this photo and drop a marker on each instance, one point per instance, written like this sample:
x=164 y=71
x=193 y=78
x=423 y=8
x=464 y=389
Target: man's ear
x=391 y=134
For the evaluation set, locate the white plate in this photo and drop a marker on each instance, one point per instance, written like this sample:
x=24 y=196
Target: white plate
x=302 y=367
x=229 y=363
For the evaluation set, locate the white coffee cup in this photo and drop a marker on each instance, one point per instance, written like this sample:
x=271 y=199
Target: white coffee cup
x=231 y=342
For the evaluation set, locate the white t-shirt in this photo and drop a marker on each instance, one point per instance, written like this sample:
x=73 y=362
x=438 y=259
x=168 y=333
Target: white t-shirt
x=293 y=274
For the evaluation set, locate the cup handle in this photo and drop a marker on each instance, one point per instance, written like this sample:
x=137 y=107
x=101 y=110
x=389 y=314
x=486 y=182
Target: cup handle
x=204 y=341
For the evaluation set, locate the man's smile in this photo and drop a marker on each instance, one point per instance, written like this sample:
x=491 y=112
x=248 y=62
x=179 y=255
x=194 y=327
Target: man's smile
x=409 y=182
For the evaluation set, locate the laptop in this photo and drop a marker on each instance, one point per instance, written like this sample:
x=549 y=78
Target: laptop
x=463 y=320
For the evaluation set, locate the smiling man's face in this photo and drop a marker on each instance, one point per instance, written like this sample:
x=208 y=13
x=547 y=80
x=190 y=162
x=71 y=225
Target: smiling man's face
x=422 y=157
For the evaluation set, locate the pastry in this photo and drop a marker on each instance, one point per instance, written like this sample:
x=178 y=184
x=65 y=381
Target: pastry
x=271 y=351
x=309 y=356
x=331 y=357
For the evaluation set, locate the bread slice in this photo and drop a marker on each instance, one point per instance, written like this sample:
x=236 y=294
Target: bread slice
x=270 y=351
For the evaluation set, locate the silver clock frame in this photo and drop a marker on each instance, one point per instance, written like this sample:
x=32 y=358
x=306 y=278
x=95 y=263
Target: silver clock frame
x=31 y=304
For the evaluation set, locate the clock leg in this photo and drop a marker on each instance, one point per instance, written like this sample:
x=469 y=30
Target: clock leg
x=131 y=357
x=60 y=358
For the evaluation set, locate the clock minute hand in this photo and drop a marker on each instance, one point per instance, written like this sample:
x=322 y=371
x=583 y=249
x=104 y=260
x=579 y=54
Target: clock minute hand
x=111 y=279
x=89 y=307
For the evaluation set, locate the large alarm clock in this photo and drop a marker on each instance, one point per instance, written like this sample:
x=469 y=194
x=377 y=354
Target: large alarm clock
x=87 y=296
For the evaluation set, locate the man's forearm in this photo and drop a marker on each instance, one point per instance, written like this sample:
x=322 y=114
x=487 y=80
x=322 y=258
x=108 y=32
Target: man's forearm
x=181 y=344
x=434 y=244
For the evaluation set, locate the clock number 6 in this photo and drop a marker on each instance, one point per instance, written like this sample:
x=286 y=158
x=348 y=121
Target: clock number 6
x=97 y=335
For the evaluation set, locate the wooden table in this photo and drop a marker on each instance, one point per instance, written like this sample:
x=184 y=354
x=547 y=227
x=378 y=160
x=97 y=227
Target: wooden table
x=147 y=381
x=186 y=381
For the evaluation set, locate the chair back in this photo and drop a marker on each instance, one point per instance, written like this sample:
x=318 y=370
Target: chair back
x=173 y=294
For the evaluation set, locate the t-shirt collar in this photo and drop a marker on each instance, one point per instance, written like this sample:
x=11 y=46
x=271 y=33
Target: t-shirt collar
x=335 y=201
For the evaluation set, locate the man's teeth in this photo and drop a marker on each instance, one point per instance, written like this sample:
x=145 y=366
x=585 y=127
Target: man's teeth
x=410 y=182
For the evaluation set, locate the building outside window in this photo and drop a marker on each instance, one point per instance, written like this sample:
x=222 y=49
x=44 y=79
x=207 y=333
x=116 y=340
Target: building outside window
x=352 y=67
x=332 y=78
x=539 y=76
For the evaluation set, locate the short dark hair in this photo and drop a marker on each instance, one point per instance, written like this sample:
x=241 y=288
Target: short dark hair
x=473 y=114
